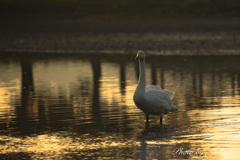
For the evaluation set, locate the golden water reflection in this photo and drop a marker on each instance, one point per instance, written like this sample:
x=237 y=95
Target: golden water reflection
x=81 y=107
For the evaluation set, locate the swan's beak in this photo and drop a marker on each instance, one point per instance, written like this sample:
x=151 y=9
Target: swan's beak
x=138 y=56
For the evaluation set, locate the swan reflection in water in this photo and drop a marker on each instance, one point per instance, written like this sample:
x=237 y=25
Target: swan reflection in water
x=155 y=142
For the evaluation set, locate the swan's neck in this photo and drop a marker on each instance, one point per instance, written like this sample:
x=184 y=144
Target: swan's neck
x=142 y=82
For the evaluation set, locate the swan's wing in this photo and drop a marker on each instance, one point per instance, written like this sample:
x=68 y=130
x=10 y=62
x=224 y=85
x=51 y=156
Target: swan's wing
x=169 y=93
x=152 y=87
x=158 y=101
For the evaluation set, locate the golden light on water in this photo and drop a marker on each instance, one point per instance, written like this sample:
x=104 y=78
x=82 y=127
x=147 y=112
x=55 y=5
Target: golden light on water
x=110 y=90
x=79 y=109
x=59 y=145
x=8 y=93
x=10 y=88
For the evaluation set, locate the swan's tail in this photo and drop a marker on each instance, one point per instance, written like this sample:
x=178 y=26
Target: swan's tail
x=174 y=108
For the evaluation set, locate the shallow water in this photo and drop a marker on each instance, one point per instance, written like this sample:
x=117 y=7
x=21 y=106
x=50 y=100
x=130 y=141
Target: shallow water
x=81 y=107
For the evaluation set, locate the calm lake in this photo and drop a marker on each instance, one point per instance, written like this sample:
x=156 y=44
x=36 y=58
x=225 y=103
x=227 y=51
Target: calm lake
x=80 y=106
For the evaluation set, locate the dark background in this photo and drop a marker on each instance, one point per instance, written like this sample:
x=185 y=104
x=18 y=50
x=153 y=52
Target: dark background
x=119 y=8
x=83 y=25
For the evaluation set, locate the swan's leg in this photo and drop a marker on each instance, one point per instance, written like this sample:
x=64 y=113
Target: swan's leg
x=161 y=120
x=147 y=117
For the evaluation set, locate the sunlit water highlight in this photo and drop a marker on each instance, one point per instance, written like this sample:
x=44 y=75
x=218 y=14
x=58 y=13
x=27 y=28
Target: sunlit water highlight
x=81 y=107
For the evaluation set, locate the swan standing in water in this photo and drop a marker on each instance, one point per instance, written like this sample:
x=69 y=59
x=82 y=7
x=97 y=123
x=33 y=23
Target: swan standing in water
x=151 y=99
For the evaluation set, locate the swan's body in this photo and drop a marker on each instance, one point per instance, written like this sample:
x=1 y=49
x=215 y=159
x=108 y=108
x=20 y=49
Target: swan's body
x=151 y=99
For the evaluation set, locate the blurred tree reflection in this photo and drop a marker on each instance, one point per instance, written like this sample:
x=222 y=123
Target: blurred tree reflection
x=122 y=77
x=96 y=70
x=27 y=100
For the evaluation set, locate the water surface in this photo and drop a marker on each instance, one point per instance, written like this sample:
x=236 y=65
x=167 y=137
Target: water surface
x=81 y=107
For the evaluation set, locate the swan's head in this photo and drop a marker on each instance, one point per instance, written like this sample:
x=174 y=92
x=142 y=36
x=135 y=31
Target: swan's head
x=140 y=55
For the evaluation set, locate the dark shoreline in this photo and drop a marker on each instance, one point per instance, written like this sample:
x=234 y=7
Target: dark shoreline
x=119 y=34
x=112 y=24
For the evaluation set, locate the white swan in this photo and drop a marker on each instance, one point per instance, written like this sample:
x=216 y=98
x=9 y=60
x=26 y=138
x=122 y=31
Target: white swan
x=151 y=99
